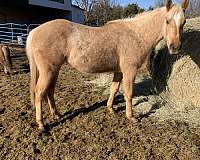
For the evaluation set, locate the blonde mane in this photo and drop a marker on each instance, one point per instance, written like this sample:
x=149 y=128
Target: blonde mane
x=128 y=19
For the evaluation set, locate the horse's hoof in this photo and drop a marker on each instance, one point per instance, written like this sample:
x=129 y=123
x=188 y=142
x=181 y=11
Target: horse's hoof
x=56 y=116
x=42 y=129
x=110 y=110
x=40 y=125
x=133 y=120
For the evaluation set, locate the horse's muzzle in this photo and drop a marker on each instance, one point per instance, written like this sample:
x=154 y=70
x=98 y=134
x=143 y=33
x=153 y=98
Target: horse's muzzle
x=174 y=49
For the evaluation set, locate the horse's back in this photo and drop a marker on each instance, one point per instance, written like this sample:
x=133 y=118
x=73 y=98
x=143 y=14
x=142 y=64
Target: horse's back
x=49 y=40
x=50 y=31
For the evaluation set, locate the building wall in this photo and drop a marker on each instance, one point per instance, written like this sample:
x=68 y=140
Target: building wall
x=77 y=15
x=34 y=14
x=52 y=4
x=25 y=12
x=12 y=14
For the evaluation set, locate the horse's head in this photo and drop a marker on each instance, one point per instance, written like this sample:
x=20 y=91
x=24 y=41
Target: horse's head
x=173 y=25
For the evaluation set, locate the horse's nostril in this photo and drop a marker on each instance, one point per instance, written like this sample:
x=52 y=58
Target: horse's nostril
x=180 y=47
x=171 y=46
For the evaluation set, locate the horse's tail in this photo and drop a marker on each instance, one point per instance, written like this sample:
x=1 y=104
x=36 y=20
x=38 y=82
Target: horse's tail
x=33 y=68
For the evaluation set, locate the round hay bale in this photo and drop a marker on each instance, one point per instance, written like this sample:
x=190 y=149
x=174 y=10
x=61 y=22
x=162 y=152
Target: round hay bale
x=179 y=75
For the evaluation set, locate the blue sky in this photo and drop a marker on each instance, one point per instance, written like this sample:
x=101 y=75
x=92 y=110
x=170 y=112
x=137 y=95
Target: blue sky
x=142 y=3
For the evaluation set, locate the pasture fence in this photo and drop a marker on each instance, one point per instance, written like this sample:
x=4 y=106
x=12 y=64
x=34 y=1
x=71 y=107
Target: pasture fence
x=15 y=34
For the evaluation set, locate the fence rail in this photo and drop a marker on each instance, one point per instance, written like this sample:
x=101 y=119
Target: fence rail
x=15 y=34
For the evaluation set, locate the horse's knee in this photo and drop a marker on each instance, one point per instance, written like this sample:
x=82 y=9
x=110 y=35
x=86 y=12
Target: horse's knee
x=128 y=95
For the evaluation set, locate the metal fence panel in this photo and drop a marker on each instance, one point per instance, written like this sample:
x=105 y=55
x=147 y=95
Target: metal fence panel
x=12 y=33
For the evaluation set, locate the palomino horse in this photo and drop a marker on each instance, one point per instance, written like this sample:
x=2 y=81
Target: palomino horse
x=121 y=46
x=5 y=59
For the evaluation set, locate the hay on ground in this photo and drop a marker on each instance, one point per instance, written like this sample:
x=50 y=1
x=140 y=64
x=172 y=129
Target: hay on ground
x=178 y=76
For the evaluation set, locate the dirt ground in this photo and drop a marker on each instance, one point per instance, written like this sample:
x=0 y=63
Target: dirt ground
x=85 y=130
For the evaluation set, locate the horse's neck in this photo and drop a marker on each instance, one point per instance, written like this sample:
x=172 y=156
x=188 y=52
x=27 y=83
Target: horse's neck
x=149 y=27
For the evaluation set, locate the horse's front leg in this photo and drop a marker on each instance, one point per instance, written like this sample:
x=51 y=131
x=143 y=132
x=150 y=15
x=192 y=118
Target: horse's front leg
x=128 y=79
x=113 y=90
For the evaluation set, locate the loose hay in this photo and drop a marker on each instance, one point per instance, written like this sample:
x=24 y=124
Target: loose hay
x=177 y=77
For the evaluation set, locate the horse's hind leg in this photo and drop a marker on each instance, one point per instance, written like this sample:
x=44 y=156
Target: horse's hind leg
x=113 y=90
x=50 y=97
x=43 y=83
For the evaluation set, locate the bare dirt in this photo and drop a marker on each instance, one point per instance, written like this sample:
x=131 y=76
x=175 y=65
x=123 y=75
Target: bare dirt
x=85 y=130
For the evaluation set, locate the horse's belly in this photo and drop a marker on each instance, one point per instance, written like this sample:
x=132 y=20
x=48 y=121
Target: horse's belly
x=93 y=64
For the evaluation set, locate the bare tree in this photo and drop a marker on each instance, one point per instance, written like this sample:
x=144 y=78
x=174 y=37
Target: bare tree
x=87 y=6
x=159 y=3
x=98 y=12
x=96 y=9
x=194 y=8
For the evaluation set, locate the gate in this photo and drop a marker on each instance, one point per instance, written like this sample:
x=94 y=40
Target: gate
x=15 y=34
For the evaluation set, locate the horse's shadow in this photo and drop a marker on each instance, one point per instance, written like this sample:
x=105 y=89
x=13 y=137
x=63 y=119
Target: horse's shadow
x=152 y=110
x=69 y=115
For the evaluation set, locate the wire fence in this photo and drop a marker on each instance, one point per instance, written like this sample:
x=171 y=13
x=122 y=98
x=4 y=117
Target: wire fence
x=15 y=34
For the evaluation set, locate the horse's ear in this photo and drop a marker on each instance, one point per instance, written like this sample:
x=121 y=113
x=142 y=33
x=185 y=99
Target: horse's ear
x=185 y=4
x=168 y=4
